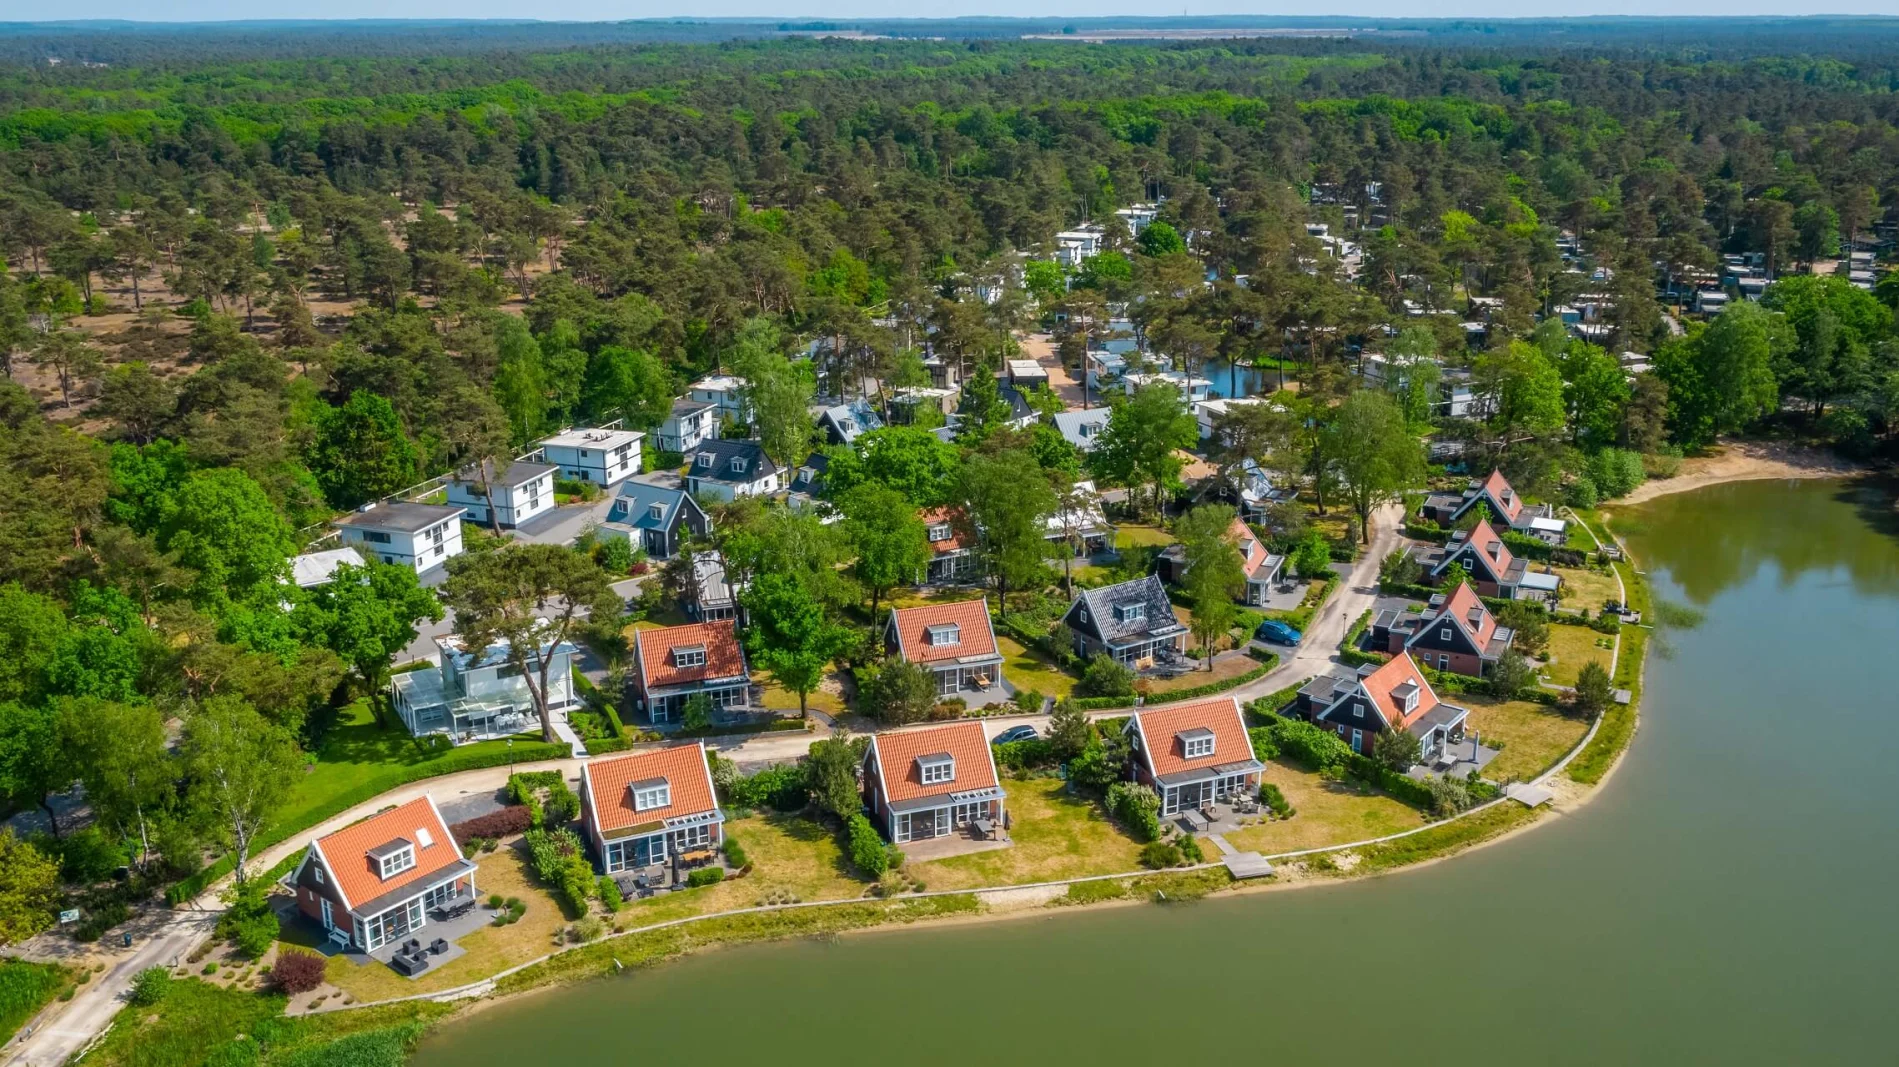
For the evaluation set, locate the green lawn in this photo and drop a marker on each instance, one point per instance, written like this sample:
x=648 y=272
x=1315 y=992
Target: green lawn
x=360 y=759
x=1133 y=536
x=1585 y=588
x=25 y=988
x=1026 y=669
x=1534 y=735
x=1055 y=835
x=1324 y=813
x=1570 y=647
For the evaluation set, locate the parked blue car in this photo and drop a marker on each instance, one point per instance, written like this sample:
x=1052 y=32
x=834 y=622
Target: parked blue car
x=1024 y=732
x=1277 y=632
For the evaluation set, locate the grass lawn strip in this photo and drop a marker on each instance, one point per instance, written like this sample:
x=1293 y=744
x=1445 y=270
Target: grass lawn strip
x=1534 y=735
x=1027 y=669
x=1586 y=588
x=1618 y=723
x=26 y=987
x=1572 y=646
x=1057 y=835
x=1324 y=813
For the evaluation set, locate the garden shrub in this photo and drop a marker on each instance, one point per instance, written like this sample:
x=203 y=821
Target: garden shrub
x=297 y=972
x=1274 y=799
x=510 y=820
x=1025 y=755
x=1103 y=677
x=561 y=864
x=1137 y=807
x=1308 y=745
x=867 y=847
x=250 y=922
x=705 y=876
x=1160 y=854
x=735 y=853
x=86 y=856
x=777 y=788
x=1190 y=849
x=590 y=928
x=150 y=986
x=609 y=893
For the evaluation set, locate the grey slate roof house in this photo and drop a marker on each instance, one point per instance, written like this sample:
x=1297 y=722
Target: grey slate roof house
x=1132 y=622
x=658 y=518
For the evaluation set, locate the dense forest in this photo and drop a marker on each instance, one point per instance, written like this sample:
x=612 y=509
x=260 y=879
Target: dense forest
x=241 y=295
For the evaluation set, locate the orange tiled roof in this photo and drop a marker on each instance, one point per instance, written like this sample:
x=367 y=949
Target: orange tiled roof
x=977 y=637
x=1458 y=607
x=610 y=799
x=1379 y=684
x=897 y=751
x=1252 y=550
x=1499 y=489
x=724 y=658
x=346 y=852
x=936 y=516
x=1160 y=728
x=1482 y=537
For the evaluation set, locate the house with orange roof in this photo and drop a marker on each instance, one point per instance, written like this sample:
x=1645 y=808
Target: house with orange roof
x=1357 y=706
x=380 y=879
x=1262 y=567
x=933 y=781
x=1194 y=754
x=1456 y=633
x=1493 y=569
x=951 y=560
x=957 y=642
x=1505 y=508
x=648 y=809
x=673 y=664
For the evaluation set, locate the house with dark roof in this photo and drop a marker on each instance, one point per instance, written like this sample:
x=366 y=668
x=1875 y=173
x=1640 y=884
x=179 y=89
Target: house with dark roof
x=1456 y=633
x=1261 y=567
x=423 y=536
x=1395 y=696
x=658 y=518
x=642 y=810
x=1132 y=622
x=951 y=560
x=1022 y=414
x=809 y=477
x=673 y=664
x=726 y=470
x=1505 y=507
x=845 y=423
x=1493 y=570
x=1193 y=754
x=956 y=642
x=519 y=491
x=932 y=782
x=379 y=880
x=1082 y=427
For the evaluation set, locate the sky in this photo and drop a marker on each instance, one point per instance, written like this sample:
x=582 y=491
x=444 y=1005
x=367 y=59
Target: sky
x=591 y=10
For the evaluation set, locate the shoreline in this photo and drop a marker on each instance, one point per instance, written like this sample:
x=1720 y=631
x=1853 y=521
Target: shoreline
x=1742 y=461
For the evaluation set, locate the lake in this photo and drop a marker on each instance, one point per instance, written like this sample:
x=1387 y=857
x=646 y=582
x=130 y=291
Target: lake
x=1726 y=898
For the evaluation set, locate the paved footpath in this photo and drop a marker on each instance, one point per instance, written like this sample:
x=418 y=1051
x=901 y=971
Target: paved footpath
x=92 y=1008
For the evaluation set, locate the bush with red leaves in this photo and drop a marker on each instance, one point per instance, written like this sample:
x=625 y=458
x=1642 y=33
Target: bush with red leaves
x=297 y=972
x=512 y=819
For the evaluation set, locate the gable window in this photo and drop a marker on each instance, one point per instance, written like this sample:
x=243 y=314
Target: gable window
x=318 y=872
x=940 y=532
x=651 y=794
x=937 y=769
x=944 y=634
x=1444 y=634
x=689 y=656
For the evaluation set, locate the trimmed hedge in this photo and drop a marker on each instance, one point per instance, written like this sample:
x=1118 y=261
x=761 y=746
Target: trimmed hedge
x=452 y=762
x=509 y=820
x=1024 y=755
x=1301 y=617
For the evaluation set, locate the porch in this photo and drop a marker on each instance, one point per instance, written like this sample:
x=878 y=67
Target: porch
x=1159 y=652
x=731 y=702
x=423 y=940
x=1461 y=757
x=1232 y=785
x=1221 y=817
x=669 y=874
x=978 y=685
x=961 y=842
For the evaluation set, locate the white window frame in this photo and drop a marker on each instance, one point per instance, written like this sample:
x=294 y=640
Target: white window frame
x=1199 y=747
x=318 y=872
x=392 y=865
x=943 y=634
x=329 y=920
x=940 y=532
x=689 y=657
x=652 y=797
x=939 y=772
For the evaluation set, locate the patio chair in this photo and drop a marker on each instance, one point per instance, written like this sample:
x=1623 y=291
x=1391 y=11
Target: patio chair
x=438 y=947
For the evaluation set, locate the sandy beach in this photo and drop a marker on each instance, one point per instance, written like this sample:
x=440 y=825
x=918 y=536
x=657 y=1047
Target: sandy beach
x=1743 y=461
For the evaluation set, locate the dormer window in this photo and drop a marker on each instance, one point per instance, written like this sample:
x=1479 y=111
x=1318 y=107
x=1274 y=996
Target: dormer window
x=937 y=769
x=738 y=465
x=705 y=459
x=1131 y=612
x=939 y=532
x=1196 y=743
x=1406 y=696
x=689 y=656
x=393 y=858
x=944 y=634
x=651 y=794
x=1493 y=548
x=656 y=511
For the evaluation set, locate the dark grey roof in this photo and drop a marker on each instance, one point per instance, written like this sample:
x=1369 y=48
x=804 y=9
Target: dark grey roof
x=519 y=472
x=1019 y=407
x=1102 y=620
x=722 y=451
x=401 y=515
x=1245 y=766
x=1441 y=715
x=634 y=504
x=686 y=405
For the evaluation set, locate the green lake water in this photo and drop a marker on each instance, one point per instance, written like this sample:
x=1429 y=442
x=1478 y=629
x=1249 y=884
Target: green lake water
x=1728 y=898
